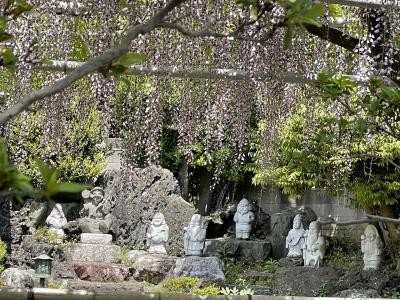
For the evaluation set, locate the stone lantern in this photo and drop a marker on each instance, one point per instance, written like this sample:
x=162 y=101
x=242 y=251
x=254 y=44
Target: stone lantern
x=43 y=265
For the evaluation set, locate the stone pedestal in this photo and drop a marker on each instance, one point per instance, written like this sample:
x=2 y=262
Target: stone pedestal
x=93 y=253
x=249 y=250
x=209 y=269
x=96 y=238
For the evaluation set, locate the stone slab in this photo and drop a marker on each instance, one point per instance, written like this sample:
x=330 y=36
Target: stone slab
x=93 y=253
x=96 y=238
x=249 y=250
x=209 y=269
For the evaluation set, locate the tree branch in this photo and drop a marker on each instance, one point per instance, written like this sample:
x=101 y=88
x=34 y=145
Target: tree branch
x=368 y=219
x=91 y=66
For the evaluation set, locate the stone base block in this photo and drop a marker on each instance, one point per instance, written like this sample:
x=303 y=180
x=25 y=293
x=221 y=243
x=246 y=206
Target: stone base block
x=250 y=250
x=152 y=267
x=101 y=272
x=93 y=253
x=210 y=269
x=96 y=238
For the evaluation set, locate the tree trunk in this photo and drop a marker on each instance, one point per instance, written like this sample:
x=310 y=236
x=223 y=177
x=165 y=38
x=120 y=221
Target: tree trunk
x=393 y=230
x=183 y=178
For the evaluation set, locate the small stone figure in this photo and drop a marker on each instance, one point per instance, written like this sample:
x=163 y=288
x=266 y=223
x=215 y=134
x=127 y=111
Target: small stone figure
x=57 y=220
x=295 y=238
x=314 y=246
x=97 y=212
x=195 y=236
x=157 y=235
x=372 y=247
x=243 y=218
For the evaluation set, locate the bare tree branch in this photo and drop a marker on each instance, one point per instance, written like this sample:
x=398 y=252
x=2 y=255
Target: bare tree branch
x=368 y=219
x=91 y=66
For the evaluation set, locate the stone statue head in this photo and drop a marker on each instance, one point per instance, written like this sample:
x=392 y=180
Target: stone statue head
x=97 y=194
x=371 y=233
x=297 y=224
x=243 y=206
x=315 y=229
x=195 y=220
x=158 y=220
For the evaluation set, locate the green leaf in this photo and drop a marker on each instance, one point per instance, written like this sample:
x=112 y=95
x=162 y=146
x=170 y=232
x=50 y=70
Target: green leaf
x=130 y=58
x=45 y=171
x=8 y=57
x=287 y=40
x=253 y=12
x=314 y=12
x=3 y=24
x=71 y=187
x=4 y=36
x=299 y=19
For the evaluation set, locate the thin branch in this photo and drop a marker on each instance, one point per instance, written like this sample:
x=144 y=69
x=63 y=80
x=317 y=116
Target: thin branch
x=91 y=66
x=368 y=219
x=383 y=219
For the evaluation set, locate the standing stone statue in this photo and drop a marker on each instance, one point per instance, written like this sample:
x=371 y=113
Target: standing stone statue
x=157 y=235
x=372 y=247
x=195 y=236
x=97 y=212
x=57 y=220
x=243 y=218
x=295 y=239
x=314 y=246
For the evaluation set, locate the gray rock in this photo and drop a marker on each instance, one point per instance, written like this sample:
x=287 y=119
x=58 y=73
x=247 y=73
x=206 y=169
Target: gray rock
x=291 y=262
x=152 y=267
x=249 y=250
x=63 y=270
x=96 y=238
x=357 y=293
x=134 y=254
x=305 y=281
x=209 y=269
x=282 y=222
x=141 y=193
x=101 y=271
x=93 y=253
x=17 y=278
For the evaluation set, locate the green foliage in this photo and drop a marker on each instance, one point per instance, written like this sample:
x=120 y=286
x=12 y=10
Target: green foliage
x=123 y=257
x=10 y=177
x=3 y=252
x=350 y=139
x=236 y=291
x=321 y=291
x=187 y=285
x=54 y=284
x=44 y=235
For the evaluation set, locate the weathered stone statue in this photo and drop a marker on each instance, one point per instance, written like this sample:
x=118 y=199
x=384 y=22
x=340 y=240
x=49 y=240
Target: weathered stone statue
x=243 y=218
x=295 y=238
x=157 y=235
x=372 y=247
x=195 y=236
x=97 y=215
x=314 y=246
x=57 y=220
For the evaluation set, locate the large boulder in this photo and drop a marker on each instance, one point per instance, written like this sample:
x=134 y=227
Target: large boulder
x=305 y=281
x=152 y=267
x=248 y=250
x=138 y=195
x=17 y=278
x=209 y=269
x=101 y=271
x=282 y=222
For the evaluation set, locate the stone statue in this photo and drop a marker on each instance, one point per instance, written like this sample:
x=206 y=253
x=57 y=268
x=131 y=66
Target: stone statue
x=314 y=246
x=243 y=218
x=157 y=235
x=295 y=238
x=372 y=247
x=195 y=236
x=57 y=220
x=96 y=211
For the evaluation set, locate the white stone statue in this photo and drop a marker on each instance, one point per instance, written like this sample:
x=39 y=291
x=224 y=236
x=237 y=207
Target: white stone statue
x=195 y=235
x=157 y=235
x=96 y=212
x=57 y=220
x=372 y=247
x=243 y=218
x=314 y=246
x=295 y=238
